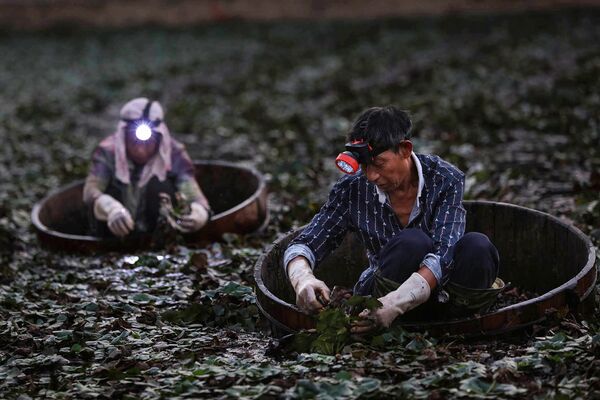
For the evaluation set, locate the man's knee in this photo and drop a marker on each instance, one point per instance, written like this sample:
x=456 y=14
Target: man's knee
x=402 y=254
x=409 y=240
x=476 y=261
x=474 y=242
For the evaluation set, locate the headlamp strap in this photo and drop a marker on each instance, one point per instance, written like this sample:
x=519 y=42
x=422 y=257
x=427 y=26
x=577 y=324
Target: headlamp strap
x=146 y=112
x=146 y=116
x=361 y=141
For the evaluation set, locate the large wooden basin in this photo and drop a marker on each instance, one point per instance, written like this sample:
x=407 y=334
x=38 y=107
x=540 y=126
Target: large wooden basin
x=237 y=195
x=538 y=253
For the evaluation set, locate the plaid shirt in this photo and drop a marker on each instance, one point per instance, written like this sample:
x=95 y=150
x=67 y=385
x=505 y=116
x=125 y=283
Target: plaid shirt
x=358 y=205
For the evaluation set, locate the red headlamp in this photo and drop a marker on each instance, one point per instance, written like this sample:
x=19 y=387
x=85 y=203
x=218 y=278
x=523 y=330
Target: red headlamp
x=347 y=163
x=357 y=152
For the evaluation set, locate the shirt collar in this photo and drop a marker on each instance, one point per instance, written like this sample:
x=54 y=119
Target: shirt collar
x=419 y=172
x=383 y=196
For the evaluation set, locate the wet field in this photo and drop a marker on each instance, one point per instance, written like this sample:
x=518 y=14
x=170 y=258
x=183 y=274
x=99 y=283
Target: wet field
x=514 y=101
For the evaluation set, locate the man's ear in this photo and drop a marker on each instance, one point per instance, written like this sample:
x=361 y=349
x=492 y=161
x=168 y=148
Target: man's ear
x=406 y=148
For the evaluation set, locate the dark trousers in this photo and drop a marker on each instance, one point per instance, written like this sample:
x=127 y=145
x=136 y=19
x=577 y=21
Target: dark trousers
x=476 y=259
x=148 y=205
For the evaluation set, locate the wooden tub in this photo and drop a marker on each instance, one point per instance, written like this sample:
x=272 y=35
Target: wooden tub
x=237 y=195
x=538 y=253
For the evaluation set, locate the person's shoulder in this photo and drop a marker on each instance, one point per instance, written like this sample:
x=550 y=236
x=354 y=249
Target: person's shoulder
x=178 y=151
x=348 y=181
x=434 y=165
x=176 y=145
x=107 y=144
x=343 y=186
x=106 y=148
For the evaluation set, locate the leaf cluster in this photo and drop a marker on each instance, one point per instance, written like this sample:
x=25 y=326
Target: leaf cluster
x=231 y=305
x=334 y=322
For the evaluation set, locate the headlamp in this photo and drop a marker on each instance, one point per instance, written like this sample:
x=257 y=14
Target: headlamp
x=357 y=152
x=144 y=127
x=143 y=132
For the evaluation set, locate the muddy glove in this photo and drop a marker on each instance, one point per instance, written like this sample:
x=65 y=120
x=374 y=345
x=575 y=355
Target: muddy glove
x=196 y=219
x=413 y=292
x=311 y=293
x=118 y=219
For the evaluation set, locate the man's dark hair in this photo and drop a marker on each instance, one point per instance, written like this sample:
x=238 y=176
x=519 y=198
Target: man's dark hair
x=382 y=127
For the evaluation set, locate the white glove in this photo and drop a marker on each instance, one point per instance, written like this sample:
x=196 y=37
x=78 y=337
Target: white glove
x=413 y=292
x=118 y=219
x=195 y=220
x=308 y=288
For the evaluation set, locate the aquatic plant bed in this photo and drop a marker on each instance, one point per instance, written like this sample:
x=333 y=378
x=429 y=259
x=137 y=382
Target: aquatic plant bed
x=511 y=100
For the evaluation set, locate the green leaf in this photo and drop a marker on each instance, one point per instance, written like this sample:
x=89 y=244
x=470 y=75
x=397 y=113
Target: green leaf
x=372 y=303
x=343 y=376
x=306 y=389
x=143 y=298
x=236 y=290
x=476 y=385
x=467 y=369
x=195 y=312
x=147 y=261
x=368 y=385
x=418 y=344
x=356 y=300
x=92 y=307
x=509 y=390
x=302 y=342
x=66 y=334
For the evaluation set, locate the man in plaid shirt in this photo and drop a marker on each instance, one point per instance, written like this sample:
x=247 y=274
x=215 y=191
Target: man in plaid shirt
x=407 y=210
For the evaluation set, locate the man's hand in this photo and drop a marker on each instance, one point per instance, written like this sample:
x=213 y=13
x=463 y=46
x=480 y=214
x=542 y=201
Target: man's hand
x=195 y=220
x=118 y=219
x=120 y=222
x=413 y=292
x=311 y=293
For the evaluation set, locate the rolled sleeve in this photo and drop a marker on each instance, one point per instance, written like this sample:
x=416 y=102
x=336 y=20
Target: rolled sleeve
x=432 y=261
x=296 y=250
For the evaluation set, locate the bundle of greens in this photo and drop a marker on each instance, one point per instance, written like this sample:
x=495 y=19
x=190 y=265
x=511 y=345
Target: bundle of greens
x=172 y=213
x=332 y=333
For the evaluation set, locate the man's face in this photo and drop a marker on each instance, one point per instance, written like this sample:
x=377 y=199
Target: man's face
x=140 y=151
x=390 y=169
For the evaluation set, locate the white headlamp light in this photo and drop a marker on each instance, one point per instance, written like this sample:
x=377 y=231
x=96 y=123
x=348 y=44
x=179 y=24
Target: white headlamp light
x=144 y=126
x=143 y=132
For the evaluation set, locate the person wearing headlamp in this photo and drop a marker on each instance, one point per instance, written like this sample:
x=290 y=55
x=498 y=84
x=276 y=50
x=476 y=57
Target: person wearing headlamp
x=131 y=167
x=406 y=208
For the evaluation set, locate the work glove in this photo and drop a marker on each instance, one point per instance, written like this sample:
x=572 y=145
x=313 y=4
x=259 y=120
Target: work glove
x=196 y=219
x=118 y=219
x=413 y=292
x=311 y=293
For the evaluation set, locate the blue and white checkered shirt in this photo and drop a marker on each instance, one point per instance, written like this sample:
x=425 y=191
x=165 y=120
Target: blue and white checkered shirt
x=358 y=205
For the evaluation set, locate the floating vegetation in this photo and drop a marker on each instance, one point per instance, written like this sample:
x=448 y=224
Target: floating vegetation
x=512 y=100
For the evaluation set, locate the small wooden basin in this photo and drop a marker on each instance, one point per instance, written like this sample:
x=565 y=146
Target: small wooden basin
x=237 y=195
x=538 y=253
